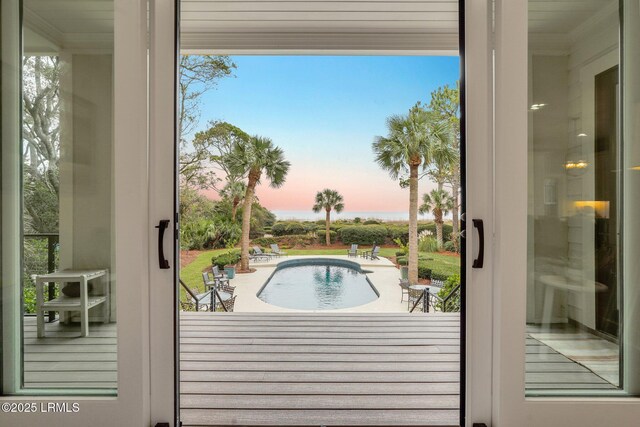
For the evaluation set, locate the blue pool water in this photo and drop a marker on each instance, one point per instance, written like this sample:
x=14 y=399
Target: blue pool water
x=318 y=284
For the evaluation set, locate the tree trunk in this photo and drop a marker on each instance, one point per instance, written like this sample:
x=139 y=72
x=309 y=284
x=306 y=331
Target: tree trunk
x=439 y=223
x=455 y=189
x=246 y=220
x=413 y=223
x=327 y=230
x=234 y=208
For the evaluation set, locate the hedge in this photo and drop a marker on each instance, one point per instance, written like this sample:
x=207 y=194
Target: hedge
x=287 y=228
x=264 y=241
x=322 y=236
x=363 y=234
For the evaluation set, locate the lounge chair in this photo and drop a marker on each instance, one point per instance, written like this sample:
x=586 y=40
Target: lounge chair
x=258 y=255
x=353 y=251
x=276 y=250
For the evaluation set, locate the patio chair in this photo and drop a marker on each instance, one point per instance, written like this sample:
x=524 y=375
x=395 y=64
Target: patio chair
x=353 y=251
x=275 y=249
x=365 y=254
x=195 y=301
x=218 y=276
x=227 y=305
x=373 y=254
x=404 y=286
x=206 y=279
x=225 y=287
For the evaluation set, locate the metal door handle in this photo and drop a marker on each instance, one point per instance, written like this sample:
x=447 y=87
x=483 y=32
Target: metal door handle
x=163 y=263
x=479 y=261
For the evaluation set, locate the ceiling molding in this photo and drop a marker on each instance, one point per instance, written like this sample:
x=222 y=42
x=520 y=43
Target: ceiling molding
x=41 y=27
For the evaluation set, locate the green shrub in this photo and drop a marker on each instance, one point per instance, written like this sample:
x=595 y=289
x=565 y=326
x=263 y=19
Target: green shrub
x=402 y=260
x=279 y=228
x=229 y=258
x=311 y=227
x=450 y=246
x=363 y=235
x=400 y=254
x=428 y=244
x=371 y=222
x=439 y=276
x=357 y=220
x=264 y=241
x=322 y=238
x=424 y=272
x=299 y=240
x=287 y=228
x=453 y=305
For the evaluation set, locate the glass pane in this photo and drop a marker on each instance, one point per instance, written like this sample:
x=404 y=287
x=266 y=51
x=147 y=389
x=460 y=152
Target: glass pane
x=577 y=227
x=58 y=304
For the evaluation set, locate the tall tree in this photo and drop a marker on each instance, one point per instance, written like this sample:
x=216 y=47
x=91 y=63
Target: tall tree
x=410 y=145
x=439 y=203
x=445 y=101
x=252 y=159
x=234 y=192
x=212 y=147
x=328 y=200
x=198 y=74
x=41 y=142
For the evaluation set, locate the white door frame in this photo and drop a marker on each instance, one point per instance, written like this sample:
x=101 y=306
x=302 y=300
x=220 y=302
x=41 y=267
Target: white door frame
x=478 y=56
x=510 y=406
x=163 y=195
x=132 y=405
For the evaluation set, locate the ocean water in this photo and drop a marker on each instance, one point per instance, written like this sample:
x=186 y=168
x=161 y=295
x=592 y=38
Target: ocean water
x=284 y=215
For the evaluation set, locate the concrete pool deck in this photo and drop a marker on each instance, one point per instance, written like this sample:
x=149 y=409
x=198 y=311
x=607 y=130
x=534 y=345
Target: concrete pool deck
x=382 y=273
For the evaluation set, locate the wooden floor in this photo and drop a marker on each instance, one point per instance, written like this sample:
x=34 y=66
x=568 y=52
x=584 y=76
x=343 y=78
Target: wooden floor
x=319 y=369
x=64 y=360
x=300 y=369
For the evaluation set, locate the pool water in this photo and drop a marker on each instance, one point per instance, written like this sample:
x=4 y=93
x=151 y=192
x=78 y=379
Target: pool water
x=318 y=285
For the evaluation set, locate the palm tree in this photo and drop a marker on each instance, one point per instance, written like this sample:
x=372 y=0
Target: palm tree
x=252 y=159
x=328 y=200
x=439 y=203
x=410 y=144
x=234 y=192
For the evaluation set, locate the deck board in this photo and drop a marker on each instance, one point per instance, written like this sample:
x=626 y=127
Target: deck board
x=293 y=369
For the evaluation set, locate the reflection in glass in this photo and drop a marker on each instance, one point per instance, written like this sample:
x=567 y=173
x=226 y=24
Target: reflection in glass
x=68 y=292
x=574 y=292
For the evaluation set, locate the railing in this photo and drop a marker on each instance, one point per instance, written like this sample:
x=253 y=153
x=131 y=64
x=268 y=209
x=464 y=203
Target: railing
x=194 y=297
x=448 y=303
x=52 y=241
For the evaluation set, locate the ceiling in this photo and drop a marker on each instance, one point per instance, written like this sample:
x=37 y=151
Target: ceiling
x=409 y=26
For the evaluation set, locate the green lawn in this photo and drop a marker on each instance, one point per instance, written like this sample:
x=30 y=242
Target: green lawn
x=192 y=273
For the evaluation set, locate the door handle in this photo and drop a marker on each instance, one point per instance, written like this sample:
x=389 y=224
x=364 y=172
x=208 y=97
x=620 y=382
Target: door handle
x=163 y=263
x=479 y=261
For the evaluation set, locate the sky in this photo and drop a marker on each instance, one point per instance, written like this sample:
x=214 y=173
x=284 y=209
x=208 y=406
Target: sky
x=324 y=112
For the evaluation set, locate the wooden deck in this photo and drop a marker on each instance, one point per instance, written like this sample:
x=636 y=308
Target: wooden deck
x=319 y=369
x=300 y=369
x=64 y=360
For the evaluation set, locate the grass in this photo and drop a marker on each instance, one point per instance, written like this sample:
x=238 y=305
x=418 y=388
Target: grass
x=191 y=274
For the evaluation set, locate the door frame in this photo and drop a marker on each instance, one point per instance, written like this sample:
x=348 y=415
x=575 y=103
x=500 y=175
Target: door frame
x=131 y=405
x=510 y=405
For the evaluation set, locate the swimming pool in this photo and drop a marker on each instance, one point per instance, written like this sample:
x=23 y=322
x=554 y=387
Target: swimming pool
x=318 y=284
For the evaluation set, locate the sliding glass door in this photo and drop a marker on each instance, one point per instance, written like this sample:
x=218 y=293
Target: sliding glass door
x=78 y=246
x=566 y=177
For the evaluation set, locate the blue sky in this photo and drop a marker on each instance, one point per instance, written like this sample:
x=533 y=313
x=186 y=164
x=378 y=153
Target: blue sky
x=325 y=111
